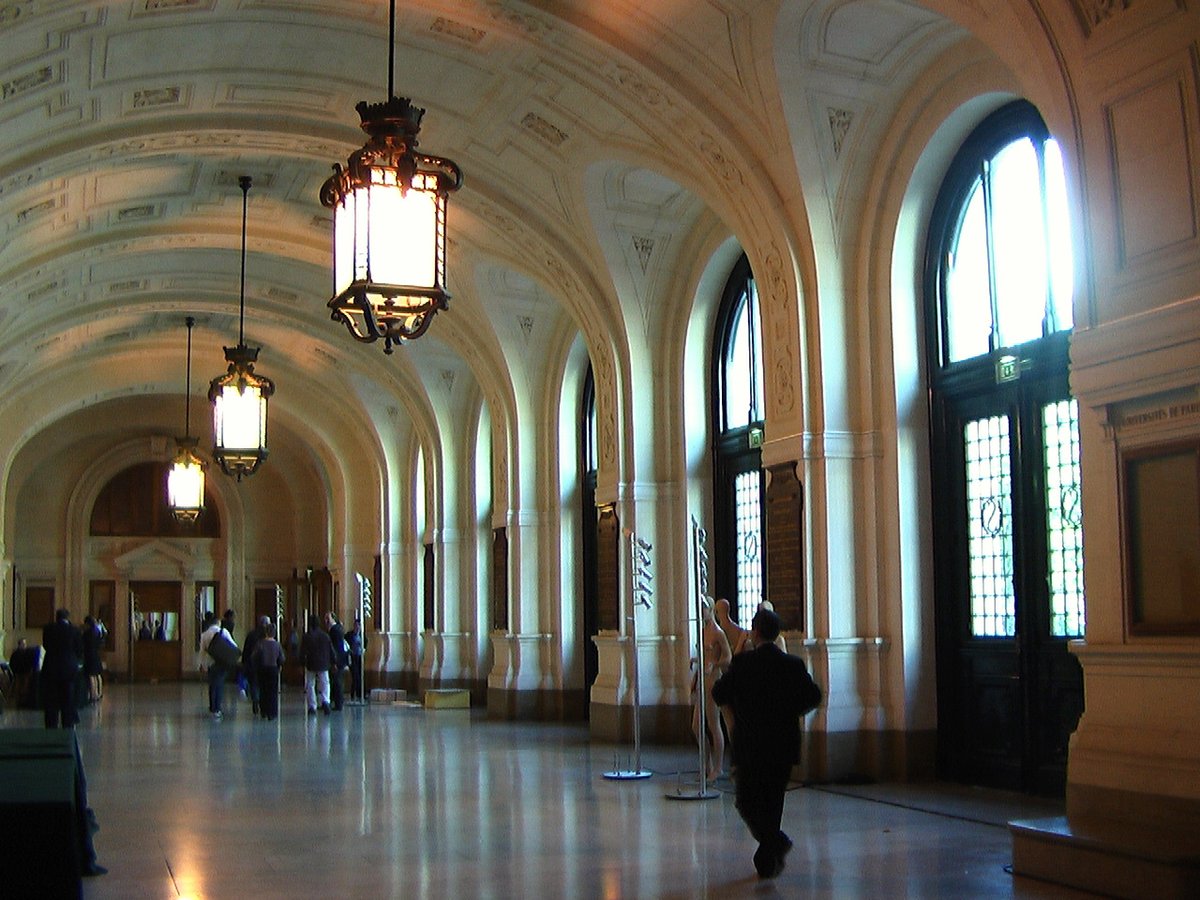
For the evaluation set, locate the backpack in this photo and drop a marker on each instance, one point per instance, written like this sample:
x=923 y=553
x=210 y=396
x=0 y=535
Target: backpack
x=223 y=651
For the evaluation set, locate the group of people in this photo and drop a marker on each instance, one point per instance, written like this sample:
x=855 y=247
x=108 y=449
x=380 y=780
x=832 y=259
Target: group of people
x=64 y=672
x=155 y=629
x=325 y=653
x=752 y=688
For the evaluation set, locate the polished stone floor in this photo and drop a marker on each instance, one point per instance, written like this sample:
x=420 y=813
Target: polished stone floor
x=396 y=801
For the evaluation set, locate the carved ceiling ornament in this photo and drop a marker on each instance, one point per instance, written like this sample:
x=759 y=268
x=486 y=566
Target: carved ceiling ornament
x=633 y=83
x=457 y=30
x=774 y=284
x=1093 y=13
x=172 y=5
x=839 y=124
x=547 y=132
x=719 y=160
x=24 y=83
x=531 y=25
x=644 y=248
x=151 y=97
x=10 y=12
x=606 y=413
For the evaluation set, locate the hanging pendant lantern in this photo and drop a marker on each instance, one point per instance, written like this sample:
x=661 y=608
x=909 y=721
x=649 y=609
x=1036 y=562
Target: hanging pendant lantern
x=185 y=478
x=389 y=224
x=239 y=397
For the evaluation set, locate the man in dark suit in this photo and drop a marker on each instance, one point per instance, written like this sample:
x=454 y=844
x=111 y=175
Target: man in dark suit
x=761 y=696
x=341 y=659
x=60 y=669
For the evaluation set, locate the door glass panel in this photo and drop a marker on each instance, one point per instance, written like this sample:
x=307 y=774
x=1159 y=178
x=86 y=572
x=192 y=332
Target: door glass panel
x=1064 y=518
x=989 y=527
x=748 y=498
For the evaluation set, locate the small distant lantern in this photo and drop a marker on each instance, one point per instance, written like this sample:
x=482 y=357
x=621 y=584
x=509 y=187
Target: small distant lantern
x=185 y=479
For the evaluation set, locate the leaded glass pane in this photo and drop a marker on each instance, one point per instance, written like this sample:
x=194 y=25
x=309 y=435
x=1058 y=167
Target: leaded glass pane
x=1064 y=518
x=748 y=499
x=989 y=527
x=1010 y=254
x=1062 y=260
x=743 y=358
x=1019 y=238
x=968 y=296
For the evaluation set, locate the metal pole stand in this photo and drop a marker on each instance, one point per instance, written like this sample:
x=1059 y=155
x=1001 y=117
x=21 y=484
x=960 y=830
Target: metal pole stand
x=700 y=579
x=640 y=591
x=364 y=610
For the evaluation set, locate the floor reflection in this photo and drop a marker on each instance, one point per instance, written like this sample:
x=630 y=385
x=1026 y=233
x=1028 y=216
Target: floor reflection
x=394 y=801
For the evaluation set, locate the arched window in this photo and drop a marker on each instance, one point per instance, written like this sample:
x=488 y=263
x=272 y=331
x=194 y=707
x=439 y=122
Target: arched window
x=738 y=483
x=1005 y=456
x=588 y=469
x=134 y=503
x=1005 y=262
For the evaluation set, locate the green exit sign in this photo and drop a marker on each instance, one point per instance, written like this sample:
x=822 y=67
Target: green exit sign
x=1008 y=368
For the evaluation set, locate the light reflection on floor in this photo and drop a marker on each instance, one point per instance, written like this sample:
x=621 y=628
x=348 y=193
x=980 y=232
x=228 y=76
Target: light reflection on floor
x=397 y=802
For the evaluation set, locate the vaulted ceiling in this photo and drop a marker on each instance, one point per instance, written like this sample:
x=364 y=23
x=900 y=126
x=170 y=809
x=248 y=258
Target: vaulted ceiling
x=124 y=127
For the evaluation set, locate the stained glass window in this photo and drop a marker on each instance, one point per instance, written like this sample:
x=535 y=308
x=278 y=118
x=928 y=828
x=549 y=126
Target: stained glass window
x=748 y=491
x=1064 y=518
x=989 y=527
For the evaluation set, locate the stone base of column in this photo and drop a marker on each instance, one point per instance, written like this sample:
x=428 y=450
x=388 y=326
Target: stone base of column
x=534 y=705
x=833 y=756
x=659 y=724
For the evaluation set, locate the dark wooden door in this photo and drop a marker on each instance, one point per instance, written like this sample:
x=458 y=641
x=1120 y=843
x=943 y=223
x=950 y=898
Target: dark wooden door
x=1009 y=592
x=157 y=651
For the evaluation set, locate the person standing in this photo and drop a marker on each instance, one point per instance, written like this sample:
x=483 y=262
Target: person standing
x=249 y=671
x=60 y=669
x=316 y=655
x=24 y=663
x=217 y=670
x=93 y=666
x=341 y=659
x=763 y=696
x=267 y=663
x=357 y=642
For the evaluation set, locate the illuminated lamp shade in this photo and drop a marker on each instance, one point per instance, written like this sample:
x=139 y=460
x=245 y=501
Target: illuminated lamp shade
x=389 y=225
x=239 y=397
x=185 y=478
x=185 y=482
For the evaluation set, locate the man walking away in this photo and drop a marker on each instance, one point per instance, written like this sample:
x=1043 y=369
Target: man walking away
x=763 y=695
x=316 y=655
